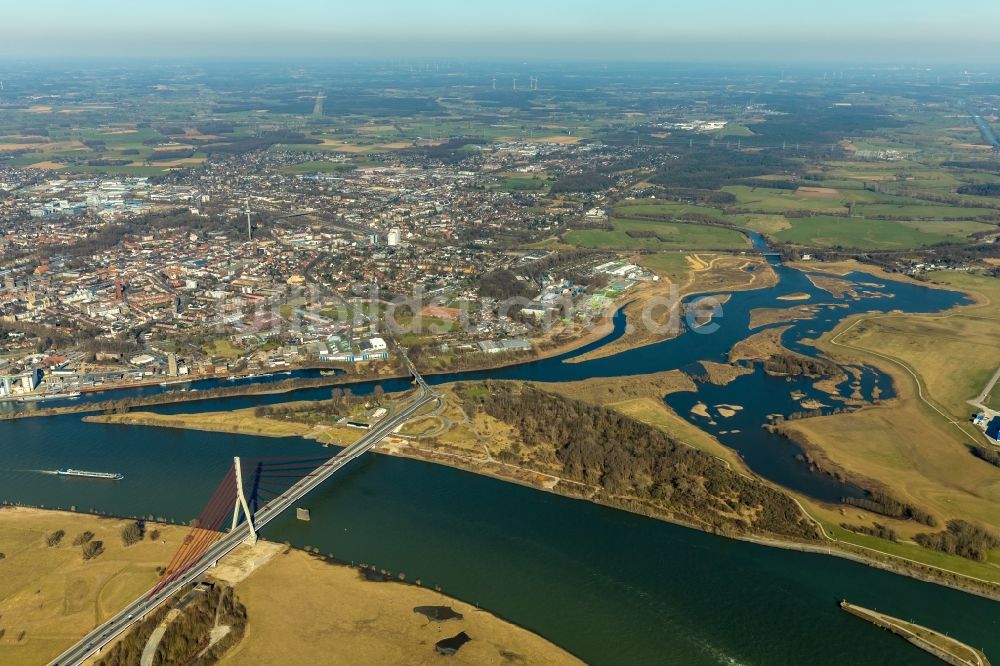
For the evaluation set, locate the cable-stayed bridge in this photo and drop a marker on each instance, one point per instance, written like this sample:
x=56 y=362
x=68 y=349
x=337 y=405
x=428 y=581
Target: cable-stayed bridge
x=205 y=545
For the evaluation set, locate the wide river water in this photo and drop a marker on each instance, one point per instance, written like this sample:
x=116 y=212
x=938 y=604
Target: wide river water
x=611 y=587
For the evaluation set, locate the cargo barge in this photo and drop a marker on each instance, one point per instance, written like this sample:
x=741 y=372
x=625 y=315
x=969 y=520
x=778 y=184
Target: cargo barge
x=110 y=476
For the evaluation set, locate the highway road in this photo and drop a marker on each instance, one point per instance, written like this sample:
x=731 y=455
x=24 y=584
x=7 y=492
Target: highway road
x=135 y=611
x=987 y=132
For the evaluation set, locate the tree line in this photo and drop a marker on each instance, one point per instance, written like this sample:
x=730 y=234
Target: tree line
x=589 y=181
x=875 y=530
x=188 y=634
x=793 y=365
x=981 y=189
x=961 y=538
x=631 y=460
x=502 y=284
x=711 y=168
x=879 y=502
x=991 y=456
x=342 y=401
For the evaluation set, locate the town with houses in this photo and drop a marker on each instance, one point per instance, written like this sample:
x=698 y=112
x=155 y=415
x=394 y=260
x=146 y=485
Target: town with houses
x=466 y=313
x=264 y=262
x=241 y=267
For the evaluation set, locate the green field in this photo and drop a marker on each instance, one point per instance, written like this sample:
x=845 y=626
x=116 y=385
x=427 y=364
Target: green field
x=122 y=139
x=117 y=143
x=317 y=166
x=865 y=202
x=39 y=141
x=666 y=235
x=829 y=231
x=922 y=211
x=914 y=446
x=348 y=148
x=222 y=347
x=952 y=230
x=770 y=200
x=735 y=130
x=760 y=222
x=424 y=330
x=524 y=183
x=138 y=171
x=673 y=265
x=666 y=209
x=911 y=551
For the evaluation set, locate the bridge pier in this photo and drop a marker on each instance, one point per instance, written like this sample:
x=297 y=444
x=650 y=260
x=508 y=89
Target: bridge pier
x=241 y=502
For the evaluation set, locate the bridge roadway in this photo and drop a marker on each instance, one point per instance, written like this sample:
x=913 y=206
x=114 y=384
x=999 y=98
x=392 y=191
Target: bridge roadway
x=135 y=611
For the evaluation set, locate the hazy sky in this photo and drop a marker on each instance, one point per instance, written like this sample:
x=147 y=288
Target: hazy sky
x=719 y=30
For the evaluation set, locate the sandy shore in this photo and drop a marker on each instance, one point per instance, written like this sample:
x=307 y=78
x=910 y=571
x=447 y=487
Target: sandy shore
x=653 y=309
x=302 y=609
x=533 y=479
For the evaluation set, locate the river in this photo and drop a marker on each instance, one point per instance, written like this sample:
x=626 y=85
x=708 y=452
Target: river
x=611 y=587
x=771 y=456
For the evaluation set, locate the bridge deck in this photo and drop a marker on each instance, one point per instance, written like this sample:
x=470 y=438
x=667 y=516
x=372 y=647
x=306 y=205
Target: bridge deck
x=135 y=611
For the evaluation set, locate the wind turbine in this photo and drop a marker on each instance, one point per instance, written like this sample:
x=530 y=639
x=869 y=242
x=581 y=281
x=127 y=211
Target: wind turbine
x=494 y=83
x=515 y=83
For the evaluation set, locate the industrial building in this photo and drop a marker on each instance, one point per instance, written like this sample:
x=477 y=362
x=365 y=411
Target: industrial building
x=993 y=429
x=990 y=424
x=499 y=346
x=24 y=382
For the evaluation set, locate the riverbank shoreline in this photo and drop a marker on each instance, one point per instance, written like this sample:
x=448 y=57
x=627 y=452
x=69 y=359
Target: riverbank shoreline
x=626 y=504
x=270 y=572
x=171 y=397
x=857 y=551
x=542 y=481
x=603 y=329
x=848 y=266
x=632 y=341
x=917 y=444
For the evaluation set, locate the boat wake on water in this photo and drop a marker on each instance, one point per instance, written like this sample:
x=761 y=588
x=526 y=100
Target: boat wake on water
x=77 y=473
x=718 y=655
x=32 y=471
